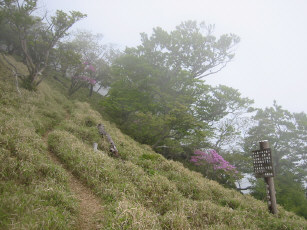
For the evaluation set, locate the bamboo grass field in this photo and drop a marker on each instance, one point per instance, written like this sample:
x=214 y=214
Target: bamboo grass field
x=139 y=190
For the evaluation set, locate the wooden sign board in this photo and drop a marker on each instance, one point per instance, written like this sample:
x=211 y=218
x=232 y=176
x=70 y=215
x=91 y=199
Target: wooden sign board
x=263 y=164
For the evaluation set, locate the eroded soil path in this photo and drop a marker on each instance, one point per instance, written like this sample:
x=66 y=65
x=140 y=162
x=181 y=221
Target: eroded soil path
x=90 y=208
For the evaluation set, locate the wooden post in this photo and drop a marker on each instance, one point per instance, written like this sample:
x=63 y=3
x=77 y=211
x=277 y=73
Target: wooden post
x=269 y=181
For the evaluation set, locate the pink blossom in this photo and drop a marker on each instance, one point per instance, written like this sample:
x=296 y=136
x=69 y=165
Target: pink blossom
x=211 y=157
x=92 y=81
x=91 y=68
x=88 y=67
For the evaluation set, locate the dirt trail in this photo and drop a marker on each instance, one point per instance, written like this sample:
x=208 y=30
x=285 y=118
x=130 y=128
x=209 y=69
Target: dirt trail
x=90 y=209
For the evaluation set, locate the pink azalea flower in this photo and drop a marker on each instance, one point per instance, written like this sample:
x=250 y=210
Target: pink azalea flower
x=211 y=157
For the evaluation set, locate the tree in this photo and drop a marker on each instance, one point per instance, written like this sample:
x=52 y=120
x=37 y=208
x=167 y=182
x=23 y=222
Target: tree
x=93 y=51
x=159 y=98
x=8 y=41
x=83 y=47
x=65 y=59
x=301 y=132
x=151 y=104
x=84 y=78
x=286 y=133
x=225 y=112
x=189 y=47
x=37 y=36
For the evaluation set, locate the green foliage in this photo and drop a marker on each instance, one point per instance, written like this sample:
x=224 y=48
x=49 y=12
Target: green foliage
x=83 y=47
x=64 y=58
x=189 y=47
x=36 y=36
x=157 y=96
x=149 y=103
x=173 y=113
x=225 y=112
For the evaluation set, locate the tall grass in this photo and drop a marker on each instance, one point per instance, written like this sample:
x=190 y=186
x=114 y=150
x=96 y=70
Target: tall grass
x=143 y=190
x=33 y=190
x=140 y=190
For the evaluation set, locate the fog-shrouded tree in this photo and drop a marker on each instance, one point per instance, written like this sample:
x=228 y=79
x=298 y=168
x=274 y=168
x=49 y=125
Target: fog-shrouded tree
x=191 y=47
x=225 y=112
x=37 y=35
x=287 y=135
x=85 y=47
x=8 y=40
x=152 y=104
x=64 y=59
x=159 y=98
x=92 y=50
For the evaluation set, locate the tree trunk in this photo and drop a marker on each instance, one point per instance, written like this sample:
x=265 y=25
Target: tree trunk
x=91 y=90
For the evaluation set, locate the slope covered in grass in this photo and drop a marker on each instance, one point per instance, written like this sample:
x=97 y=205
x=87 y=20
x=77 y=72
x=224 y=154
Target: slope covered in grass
x=140 y=190
x=33 y=190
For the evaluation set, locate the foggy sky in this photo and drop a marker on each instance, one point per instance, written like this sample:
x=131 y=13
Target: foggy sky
x=270 y=61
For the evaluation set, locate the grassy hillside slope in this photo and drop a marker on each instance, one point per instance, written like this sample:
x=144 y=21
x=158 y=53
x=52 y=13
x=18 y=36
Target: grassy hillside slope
x=142 y=190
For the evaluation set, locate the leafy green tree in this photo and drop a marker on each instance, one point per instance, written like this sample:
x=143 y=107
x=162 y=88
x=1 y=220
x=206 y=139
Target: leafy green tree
x=37 y=36
x=191 y=47
x=159 y=98
x=158 y=91
x=151 y=104
x=301 y=132
x=68 y=57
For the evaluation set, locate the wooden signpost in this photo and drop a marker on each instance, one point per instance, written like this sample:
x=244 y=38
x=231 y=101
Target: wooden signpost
x=263 y=167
